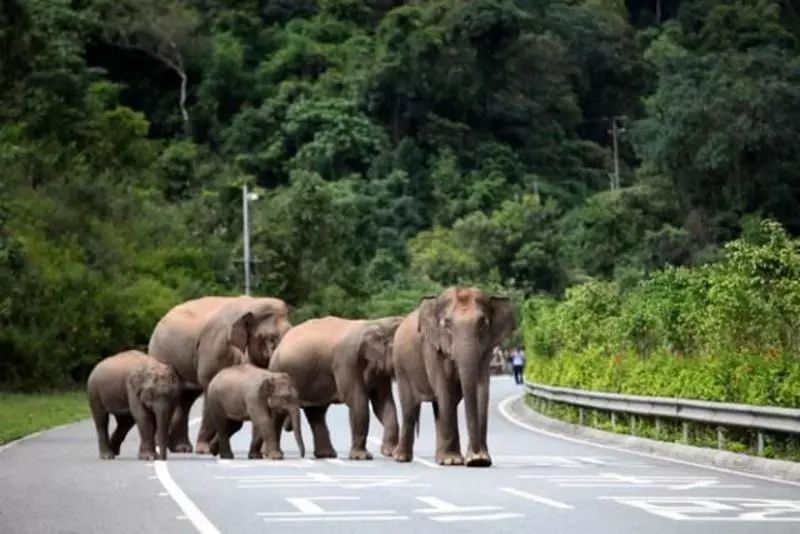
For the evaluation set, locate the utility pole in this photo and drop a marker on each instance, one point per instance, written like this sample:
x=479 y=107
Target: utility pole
x=615 y=132
x=246 y=231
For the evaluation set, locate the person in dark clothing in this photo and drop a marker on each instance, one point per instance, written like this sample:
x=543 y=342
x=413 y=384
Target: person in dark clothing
x=518 y=363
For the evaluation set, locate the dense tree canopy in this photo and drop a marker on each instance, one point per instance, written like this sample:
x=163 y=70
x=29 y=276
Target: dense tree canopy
x=397 y=146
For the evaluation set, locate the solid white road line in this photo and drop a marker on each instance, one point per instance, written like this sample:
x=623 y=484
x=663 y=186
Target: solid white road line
x=536 y=498
x=488 y=517
x=198 y=519
x=504 y=411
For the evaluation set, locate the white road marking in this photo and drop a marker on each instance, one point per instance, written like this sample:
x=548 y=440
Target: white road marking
x=537 y=498
x=309 y=510
x=438 y=506
x=419 y=460
x=489 y=517
x=198 y=519
x=715 y=508
x=327 y=518
x=322 y=480
x=615 y=480
x=350 y=463
x=503 y=408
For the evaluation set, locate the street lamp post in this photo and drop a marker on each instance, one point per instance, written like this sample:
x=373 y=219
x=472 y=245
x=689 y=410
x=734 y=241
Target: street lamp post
x=246 y=198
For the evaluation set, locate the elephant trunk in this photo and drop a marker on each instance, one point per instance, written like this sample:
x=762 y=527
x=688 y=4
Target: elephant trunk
x=475 y=390
x=163 y=419
x=298 y=434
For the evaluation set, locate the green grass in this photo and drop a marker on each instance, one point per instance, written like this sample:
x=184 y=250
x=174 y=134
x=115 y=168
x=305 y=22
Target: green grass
x=22 y=414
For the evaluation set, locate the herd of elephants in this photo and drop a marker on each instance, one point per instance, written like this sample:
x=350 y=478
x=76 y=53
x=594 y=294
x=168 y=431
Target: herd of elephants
x=248 y=360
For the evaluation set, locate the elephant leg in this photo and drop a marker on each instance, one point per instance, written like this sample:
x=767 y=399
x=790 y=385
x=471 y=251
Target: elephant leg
x=323 y=448
x=100 y=417
x=448 y=443
x=256 y=444
x=358 y=405
x=268 y=430
x=146 y=423
x=224 y=434
x=124 y=424
x=384 y=407
x=204 y=435
x=179 y=427
x=409 y=408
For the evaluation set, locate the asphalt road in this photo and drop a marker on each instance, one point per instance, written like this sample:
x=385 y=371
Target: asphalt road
x=55 y=483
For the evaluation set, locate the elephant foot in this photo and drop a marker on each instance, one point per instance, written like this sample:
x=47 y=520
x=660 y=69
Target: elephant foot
x=479 y=459
x=107 y=455
x=325 y=453
x=388 y=449
x=400 y=456
x=226 y=455
x=181 y=447
x=255 y=455
x=275 y=455
x=203 y=447
x=115 y=449
x=450 y=458
x=362 y=454
x=147 y=455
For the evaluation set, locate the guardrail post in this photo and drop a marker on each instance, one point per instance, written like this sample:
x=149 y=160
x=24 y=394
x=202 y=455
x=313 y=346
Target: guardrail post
x=658 y=427
x=633 y=425
x=685 y=432
x=760 y=443
x=613 y=420
x=720 y=438
x=580 y=416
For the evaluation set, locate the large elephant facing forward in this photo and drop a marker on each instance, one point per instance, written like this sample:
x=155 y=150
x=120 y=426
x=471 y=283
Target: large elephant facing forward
x=441 y=355
x=202 y=336
x=335 y=360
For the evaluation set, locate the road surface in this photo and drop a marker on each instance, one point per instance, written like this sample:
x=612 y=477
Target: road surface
x=54 y=483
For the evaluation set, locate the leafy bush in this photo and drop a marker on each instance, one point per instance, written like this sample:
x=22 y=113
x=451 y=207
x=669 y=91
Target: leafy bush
x=726 y=332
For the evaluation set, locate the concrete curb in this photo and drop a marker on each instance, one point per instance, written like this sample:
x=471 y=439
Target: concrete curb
x=764 y=467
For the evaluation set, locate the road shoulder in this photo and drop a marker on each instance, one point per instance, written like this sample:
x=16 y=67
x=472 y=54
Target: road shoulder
x=517 y=412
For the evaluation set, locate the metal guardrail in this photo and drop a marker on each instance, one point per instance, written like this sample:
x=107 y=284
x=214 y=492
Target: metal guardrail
x=756 y=418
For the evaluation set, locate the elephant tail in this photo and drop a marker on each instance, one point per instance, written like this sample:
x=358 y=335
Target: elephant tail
x=287 y=425
x=416 y=417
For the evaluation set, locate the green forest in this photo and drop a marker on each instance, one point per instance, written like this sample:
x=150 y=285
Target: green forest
x=396 y=147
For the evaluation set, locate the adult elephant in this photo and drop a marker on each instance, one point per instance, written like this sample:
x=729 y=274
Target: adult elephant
x=441 y=353
x=202 y=336
x=336 y=360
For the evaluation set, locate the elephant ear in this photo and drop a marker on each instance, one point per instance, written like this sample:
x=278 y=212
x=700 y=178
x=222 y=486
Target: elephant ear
x=375 y=350
x=267 y=389
x=503 y=320
x=239 y=332
x=431 y=324
x=135 y=381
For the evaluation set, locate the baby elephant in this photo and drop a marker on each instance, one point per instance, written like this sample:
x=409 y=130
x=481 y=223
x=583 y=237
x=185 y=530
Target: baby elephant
x=135 y=388
x=246 y=392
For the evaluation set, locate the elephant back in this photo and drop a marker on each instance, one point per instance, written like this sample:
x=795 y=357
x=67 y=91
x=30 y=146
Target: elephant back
x=175 y=337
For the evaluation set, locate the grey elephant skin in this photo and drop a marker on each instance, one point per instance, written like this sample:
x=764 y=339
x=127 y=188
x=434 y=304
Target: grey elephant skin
x=203 y=336
x=337 y=360
x=248 y=393
x=134 y=388
x=441 y=354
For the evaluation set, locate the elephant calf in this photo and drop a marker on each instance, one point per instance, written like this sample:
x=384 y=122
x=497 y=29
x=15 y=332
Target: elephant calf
x=135 y=388
x=246 y=392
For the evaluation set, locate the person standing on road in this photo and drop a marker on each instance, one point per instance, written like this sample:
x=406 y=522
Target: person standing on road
x=518 y=362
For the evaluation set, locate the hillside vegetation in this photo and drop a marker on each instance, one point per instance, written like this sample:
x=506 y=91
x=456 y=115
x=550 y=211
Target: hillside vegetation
x=397 y=146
